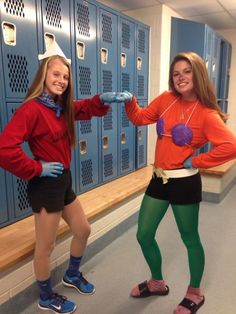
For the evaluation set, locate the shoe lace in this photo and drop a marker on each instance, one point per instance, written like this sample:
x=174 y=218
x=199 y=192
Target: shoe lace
x=84 y=281
x=58 y=298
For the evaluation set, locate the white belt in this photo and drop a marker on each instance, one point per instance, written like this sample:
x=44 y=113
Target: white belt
x=176 y=173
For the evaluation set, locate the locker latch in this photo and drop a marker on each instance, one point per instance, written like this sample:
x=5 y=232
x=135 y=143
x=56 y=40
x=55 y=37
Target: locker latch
x=48 y=39
x=80 y=50
x=105 y=142
x=83 y=147
x=104 y=55
x=123 y=138
x=123 y=60
x=139 y=63
x=9 y=33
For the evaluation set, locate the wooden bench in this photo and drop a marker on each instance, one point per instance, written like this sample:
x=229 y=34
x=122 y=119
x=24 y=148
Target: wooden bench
x=219 y=170
x=17 y=240
x=218 y=181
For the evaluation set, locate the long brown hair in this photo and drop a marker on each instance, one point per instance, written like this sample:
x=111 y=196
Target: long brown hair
x=203 y=86
x=37 y=88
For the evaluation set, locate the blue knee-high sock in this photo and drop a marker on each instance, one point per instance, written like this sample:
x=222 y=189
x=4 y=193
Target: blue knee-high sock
x=74 y=265
x=45 y=288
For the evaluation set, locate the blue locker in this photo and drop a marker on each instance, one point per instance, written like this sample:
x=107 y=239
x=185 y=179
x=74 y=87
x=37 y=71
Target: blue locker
x=200 y=38
x=142 y=61
x=141 y=133
x=4 y=215
x=126 y=141
x=19 y=46
x=225 y=61
x=223 y=103
x=55 y=17
x=107 y=69
x=87 y=156
x=215 y=61
x=18 y=200
x=3 y=194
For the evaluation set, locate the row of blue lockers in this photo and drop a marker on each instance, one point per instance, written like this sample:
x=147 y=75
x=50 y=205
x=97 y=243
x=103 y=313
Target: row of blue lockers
x=215 y=50
x=211 y=46
x=109 y=52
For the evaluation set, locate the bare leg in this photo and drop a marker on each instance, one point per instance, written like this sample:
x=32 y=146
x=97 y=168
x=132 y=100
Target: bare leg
x=46 y=225
x=74 y=215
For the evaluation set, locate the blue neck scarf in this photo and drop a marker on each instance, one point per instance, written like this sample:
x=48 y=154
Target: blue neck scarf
x=49 y=102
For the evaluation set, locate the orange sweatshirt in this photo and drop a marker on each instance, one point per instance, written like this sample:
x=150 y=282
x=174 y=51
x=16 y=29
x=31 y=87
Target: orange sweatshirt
x=206 y=124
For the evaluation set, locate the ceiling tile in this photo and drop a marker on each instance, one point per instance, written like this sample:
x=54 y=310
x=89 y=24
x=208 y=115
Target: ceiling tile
x=233 y=13
x=195 y=8
x=228 y=4
x=216 y=21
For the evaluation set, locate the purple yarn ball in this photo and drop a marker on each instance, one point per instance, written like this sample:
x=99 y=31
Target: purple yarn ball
x=181 y=134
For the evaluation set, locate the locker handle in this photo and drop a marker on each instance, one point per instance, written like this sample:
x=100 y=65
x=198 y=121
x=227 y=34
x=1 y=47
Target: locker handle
x=207 y=64
x=104 y=55
x=123 y=59
x=139 y=63
x=140 y=135
x=49 y=39
x=83 y=147
x=105 y=142
x=80 y=50
x=9 y=33
x=213 y=67
x=123 y=138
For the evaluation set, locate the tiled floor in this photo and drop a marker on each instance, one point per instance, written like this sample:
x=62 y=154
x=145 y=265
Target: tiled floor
x=120 y=265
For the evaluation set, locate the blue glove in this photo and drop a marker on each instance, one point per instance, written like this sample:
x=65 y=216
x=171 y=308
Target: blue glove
x=107 y=98
x=188 y=163
x=124 y=97
x=51 y=169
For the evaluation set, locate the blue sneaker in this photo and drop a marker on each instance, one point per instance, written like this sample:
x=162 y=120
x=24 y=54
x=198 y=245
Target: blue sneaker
x=58 y=304
x=79 y=283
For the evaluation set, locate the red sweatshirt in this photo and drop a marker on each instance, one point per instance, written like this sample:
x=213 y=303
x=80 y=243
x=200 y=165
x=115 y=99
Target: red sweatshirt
x=45 y=133
x=206 y=124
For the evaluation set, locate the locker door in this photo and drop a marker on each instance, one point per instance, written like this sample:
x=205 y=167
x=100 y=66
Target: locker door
x=19 y=46
x=142 y=50
x=208 y=49
x=19 y=200
x=87 y=152
x=215 y=62
x=225 y=60
x=107 y=60
x=55 y=16
x=126 y=145
x=141 y=142
x=182 y=34
x=4 y=216
x=3 y=197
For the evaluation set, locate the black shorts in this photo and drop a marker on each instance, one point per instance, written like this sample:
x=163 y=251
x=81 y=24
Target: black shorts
x=51 y=193
x=186 y=190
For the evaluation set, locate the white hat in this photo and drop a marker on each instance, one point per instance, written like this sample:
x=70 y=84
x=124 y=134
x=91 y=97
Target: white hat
x=53 y=50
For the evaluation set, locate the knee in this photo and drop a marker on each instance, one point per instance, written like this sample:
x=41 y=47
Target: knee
x=191 y=240
x=45 y=250
x=84 y=232
x=143 y=238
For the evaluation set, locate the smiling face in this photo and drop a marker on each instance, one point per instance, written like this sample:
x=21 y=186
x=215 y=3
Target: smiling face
x=57 y=78
x=183 y=79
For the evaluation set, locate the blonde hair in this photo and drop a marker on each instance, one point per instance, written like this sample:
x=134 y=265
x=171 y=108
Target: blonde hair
x=203 y=86
x=37 y=88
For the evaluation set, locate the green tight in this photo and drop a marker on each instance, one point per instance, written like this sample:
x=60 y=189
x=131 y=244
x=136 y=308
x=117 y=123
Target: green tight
x=151 y=213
